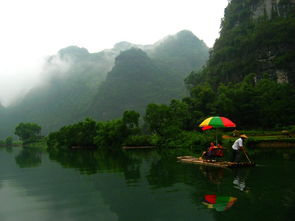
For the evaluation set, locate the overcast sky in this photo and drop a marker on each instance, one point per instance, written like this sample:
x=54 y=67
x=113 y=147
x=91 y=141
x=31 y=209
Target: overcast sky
x=34 y=29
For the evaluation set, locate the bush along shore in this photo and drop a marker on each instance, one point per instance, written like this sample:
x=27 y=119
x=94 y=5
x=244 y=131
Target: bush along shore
x=126 y=132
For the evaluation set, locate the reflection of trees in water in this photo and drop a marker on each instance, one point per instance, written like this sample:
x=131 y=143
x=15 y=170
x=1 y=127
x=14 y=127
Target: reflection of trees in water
x=143 y=169
x=9 y=149
x=160 y=193
x=63 y=194
x=93 y=161
x=213 y=174
x=165 y=190
x=28 y=157
x=165 y=172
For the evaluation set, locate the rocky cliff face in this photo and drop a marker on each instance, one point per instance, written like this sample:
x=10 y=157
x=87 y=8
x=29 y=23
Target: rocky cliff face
x=241 y=10
x=272 y=8
x=257 y=36
x=267 y=57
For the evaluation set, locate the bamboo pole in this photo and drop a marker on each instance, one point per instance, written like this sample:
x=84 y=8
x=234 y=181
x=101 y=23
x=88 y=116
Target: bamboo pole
x=246 y=155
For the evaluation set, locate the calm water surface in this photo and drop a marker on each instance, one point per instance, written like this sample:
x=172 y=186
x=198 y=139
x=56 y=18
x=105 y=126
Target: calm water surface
x=142 y=186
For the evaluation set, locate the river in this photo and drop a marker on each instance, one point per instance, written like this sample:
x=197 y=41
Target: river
x=142 y=186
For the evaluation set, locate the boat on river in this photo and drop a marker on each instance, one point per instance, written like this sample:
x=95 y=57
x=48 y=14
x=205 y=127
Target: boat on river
x=223 y=164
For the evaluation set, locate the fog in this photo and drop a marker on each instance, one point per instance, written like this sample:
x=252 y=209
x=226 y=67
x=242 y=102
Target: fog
x=32 y=30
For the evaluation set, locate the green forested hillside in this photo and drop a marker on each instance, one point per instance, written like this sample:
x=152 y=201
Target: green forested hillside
x=134 y=82
x=157 y=76
x=250 y=73
x=78 y=84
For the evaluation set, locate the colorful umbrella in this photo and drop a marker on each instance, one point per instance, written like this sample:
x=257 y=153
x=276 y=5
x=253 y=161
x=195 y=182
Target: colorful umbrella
x=216 y=122
x=219 y=203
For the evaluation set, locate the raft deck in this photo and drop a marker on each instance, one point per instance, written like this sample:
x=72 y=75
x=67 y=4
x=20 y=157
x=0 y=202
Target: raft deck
x=223 y=164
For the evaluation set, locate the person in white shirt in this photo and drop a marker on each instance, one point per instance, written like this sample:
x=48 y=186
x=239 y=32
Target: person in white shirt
x=237 y=147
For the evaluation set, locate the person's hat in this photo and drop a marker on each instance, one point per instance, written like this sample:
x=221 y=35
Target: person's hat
x=243 y=136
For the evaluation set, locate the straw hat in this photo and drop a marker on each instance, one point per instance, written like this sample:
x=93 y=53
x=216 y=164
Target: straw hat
x=244 y=136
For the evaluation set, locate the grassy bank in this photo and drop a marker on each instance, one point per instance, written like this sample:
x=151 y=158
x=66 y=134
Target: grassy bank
x=264 y=139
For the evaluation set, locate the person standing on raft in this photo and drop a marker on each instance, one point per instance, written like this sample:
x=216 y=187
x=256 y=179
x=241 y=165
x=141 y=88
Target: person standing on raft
x=237 y=147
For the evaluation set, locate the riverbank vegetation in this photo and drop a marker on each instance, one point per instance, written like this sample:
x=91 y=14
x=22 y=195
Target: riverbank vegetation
x=172 y=126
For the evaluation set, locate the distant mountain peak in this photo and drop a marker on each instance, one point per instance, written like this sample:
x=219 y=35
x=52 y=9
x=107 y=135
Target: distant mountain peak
x=123 y=45
x=131 y=56
x=185 y=33
x=73 y=52
x=132 y=51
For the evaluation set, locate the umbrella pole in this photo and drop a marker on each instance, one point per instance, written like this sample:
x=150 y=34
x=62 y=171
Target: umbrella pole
x=216 y=137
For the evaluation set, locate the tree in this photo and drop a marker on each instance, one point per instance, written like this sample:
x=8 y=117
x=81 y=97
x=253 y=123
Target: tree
x=80 y=134
x=157 y=117
x=130 y=119
x=110 y=134
x=28 y=132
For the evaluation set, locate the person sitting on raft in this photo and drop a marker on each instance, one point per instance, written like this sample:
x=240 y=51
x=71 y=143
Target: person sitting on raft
x=209 y=153
x=218 y=151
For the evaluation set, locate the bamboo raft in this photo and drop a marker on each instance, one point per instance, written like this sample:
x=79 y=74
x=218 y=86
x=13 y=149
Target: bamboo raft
x=223 y=164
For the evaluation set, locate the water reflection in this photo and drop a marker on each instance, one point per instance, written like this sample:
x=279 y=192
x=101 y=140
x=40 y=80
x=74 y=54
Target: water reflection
x=217 y=176
x=137 y=185
x=240 y=177
x=219 y=203
x=9 y=149
x=213 y=174
x=28 y=157
x=92 y=161
x=287 y=154
x=165 y=171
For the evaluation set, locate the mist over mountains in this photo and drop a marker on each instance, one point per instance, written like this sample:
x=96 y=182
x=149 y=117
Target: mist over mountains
x=78 y=84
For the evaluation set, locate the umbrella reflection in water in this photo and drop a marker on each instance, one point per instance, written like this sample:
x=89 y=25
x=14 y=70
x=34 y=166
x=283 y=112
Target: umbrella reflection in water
x=219 y=203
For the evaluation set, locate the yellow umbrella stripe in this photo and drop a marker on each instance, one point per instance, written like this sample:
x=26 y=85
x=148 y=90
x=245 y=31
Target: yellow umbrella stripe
x=205 y=122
